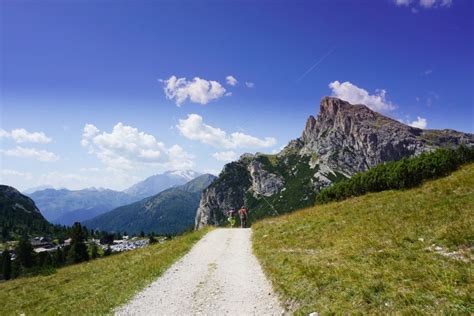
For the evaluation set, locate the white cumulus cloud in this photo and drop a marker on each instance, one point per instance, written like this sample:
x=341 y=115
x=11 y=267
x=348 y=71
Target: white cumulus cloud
x=21 y=135
x=196 y=90
x=41 y=155
x=225 y=156
x=355 y=95
x=420 y=122
x=127 y=148
x=194 y=128
x=231 y=81
x=249 y=84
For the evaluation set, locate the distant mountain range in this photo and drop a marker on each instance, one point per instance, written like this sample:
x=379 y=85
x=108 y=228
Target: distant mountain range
x=38 y=188
x=65 y=206
x=157 y=183
x=171 y=211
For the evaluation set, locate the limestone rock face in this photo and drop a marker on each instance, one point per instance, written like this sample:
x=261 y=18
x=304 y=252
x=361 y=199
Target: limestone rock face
x=227 y=192
x=264 y=182
x=352 y=138
x=342 y=140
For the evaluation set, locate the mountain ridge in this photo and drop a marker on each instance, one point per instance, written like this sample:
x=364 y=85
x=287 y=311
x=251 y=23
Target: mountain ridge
x=19 y=214
x=64 y=206
x=61 y=206
x=171 y=211
x=159 y=182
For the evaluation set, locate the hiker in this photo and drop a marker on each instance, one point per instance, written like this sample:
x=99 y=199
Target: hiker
x=231 y=217
x=243 y=213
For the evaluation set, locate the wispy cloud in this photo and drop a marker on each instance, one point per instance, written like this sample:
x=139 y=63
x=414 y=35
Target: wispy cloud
x=249 y=84
x=416 y=5
x=231 y=81
x=316 y=64
x=22 y=152
x=15 y=173
x=225 y=156
x=21 y=135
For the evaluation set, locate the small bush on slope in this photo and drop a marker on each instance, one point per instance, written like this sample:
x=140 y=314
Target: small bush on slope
x=402 y=174
x=95 y=287
x=374 y=253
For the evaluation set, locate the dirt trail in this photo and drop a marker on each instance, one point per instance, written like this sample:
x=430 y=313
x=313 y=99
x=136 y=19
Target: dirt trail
x=219 y=276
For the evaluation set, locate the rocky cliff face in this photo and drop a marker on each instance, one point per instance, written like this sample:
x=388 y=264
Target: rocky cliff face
x=344 y=139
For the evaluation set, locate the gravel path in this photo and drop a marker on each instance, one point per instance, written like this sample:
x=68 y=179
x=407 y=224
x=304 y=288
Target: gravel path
x=219 y=276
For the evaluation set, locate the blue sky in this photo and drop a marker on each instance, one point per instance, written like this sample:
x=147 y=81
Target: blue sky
x=83 y=98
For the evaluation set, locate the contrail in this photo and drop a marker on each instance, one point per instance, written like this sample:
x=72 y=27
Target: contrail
x=316 y=64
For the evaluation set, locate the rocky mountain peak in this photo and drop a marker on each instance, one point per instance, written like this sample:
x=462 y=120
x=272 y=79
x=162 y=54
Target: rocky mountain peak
x=342 y=140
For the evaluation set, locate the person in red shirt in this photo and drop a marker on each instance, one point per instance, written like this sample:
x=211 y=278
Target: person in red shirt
x=243 y=213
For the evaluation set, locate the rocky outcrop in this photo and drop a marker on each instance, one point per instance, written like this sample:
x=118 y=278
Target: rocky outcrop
x=342 y=140
x=227 y=192
x=264 y=182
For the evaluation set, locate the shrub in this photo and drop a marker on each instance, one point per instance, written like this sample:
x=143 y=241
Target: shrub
x=401 y=174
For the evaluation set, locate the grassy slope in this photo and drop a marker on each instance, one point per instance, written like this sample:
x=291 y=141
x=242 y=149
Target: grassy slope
x=368 y=254
x=95 y=287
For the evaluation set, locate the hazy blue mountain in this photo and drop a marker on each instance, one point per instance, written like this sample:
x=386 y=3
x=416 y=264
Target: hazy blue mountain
x=157 y=183
x=67 y=206
x=169 y=212
x=38 y=188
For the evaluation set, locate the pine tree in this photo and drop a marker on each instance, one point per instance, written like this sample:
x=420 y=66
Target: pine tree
x=78 y=251
x=6 y=264
x=152 y=240
x=59 y=257
x=24 y=252
x=107 y=251
x=5 y=233
x=94 y=252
